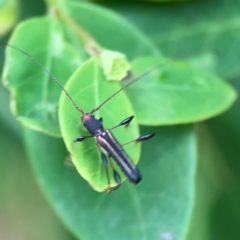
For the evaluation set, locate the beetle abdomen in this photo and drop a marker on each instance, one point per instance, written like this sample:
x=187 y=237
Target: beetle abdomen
x=107 y=141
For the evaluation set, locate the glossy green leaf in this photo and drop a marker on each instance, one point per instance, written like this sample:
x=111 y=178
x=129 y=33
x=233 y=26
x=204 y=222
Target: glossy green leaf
x=35 y=95
x=160 y=204
x=177 y=93
x=89 y=88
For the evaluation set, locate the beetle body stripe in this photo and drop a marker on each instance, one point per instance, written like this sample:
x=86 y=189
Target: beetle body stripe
x=107 y=141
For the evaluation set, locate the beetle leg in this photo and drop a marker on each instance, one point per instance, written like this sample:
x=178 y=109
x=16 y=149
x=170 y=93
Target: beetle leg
x=125 y=122
x=141 y=138
x=81 y=138
x=116 y=176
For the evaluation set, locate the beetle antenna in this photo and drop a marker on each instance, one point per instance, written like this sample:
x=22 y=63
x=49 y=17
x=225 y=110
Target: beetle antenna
x=47 y=71
x=160 y=65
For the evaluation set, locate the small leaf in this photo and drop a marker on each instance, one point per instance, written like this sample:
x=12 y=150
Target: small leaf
x=177 y=93
x=88 y=88
x=115 y=65
x=35 y=94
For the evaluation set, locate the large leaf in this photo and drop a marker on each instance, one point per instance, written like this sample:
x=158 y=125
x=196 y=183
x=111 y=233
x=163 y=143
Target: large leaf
x=160 y=204
x=89 y=88
x=35 y=95
x=177 y=93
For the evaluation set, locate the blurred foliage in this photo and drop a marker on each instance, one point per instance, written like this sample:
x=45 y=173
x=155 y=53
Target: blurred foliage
x=24 y=213
x=179 y=29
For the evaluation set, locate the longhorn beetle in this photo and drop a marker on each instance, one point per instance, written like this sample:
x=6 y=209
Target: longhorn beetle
x=106 y=142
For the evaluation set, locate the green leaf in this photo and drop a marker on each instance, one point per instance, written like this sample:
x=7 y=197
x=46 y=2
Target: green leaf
x=89 y=88
x=161 y=203
x=35 y=94
x=177 y=93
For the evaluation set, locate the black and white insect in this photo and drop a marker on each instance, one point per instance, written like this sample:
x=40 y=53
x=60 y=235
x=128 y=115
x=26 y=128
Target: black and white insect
x=107 y=144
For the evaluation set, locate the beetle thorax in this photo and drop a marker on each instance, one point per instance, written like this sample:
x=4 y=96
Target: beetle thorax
x=91 y=123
